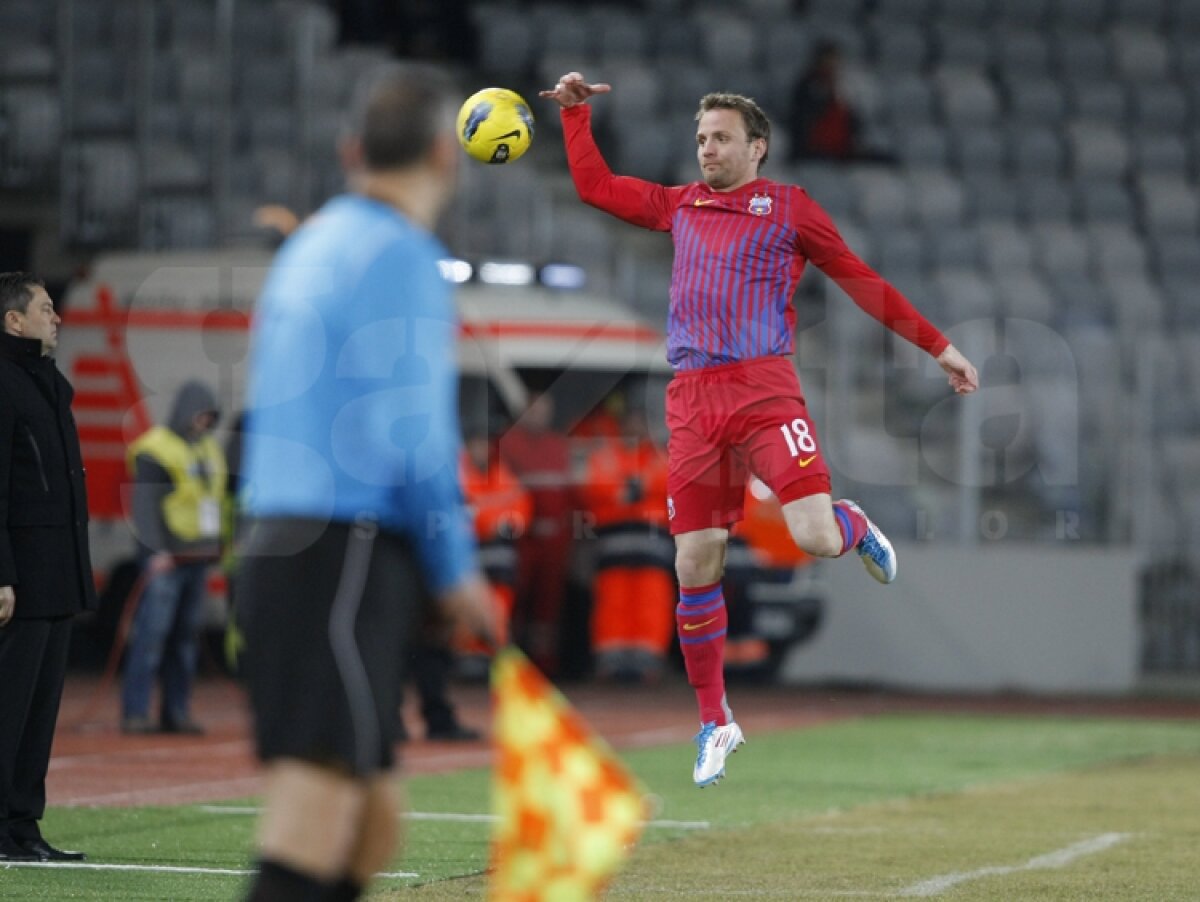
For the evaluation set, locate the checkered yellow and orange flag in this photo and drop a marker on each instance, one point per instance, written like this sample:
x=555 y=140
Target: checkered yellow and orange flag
x=568 y=810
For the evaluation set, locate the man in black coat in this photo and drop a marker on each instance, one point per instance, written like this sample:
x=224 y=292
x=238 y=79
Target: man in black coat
x=45 y=567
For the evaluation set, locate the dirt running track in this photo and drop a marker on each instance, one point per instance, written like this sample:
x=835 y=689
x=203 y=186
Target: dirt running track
x=94 y=764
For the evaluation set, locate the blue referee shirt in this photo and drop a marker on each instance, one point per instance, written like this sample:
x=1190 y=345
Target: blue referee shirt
x=352 y=402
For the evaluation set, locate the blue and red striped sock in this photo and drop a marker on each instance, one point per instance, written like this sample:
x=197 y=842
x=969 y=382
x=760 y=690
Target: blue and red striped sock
x=852 y=524
x=701 y=621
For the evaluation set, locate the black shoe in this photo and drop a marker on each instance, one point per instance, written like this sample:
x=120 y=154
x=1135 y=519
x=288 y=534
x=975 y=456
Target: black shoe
x=452 y=732
x=185 y=727
x=10 y=850
x=43 y=851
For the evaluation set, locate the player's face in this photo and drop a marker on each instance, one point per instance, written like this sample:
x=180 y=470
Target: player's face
x=728 y=158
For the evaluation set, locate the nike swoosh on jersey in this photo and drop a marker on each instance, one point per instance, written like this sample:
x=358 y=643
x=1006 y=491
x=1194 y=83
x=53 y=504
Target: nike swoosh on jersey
x=805 y=461
x=701 y=202
x=688 y=627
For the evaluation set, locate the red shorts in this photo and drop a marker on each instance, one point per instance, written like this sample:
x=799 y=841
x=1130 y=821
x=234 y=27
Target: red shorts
x=727 y=422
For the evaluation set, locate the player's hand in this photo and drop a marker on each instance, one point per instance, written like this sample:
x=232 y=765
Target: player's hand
x=470 y=608
x=572 y=89
x=8 y=604
x=963 y=378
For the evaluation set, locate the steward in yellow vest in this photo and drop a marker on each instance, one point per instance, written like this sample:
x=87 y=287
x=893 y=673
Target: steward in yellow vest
x=180 y=475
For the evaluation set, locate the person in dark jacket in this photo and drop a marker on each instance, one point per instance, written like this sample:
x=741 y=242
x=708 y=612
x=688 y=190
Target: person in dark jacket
x=179 y=475
x=45 y=565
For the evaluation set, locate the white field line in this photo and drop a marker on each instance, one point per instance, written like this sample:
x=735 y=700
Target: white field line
x=448 y=816
x=155 y=868
x=165 y=795
x=1058 y=859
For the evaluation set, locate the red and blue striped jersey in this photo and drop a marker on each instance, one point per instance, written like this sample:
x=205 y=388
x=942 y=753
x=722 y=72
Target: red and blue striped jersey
x=739 y=256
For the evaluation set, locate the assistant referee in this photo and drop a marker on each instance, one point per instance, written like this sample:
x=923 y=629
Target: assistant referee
x=355 y=513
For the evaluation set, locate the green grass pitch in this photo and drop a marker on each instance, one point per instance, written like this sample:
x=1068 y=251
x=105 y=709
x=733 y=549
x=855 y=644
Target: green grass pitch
x=959 y=807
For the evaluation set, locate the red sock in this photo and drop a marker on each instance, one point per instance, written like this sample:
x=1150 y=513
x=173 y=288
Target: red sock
x=701 y=621
x=852 y=524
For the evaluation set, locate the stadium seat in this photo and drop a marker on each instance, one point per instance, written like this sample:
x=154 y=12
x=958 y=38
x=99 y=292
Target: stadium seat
x=899 y=47
x=990 y=197
x=966 y=97
x=786 y=46
x=1168 y=203
x=1150 y=14
x=1042 y=199
x=1029 y=14
x=100 y=191
x=1103 y=200
x=27 y=63
x=1159 y=107
x=1060 y=249
x=179 y=223
x=1021 y=52
x=914 y=12
x=1022 y=294
x=1177 y=256
x=952 y=247
x=1161 y=153
x=937 y=197
x=978 y=149
x=965 y=295
x=731 y=44
x=898 y=252
x=507 y=43
x=1035 y=100
x=1137 y=303
x=312 y=28
x=1097 y=149
x=1139 y=55
x=1079 y=301
x=828 y=185
x=1081 y=55
x=622 y=37
x=1079 y=14
x=30 y=129
x=1035 y=151
x=1005 y=248
x=909 y=99
x=1098 y=99
x=922 y=144
x=171 y=166
x=636 y=95
x=1116 y=250
x=833 y=10
x=958 y=47
x=882 y=197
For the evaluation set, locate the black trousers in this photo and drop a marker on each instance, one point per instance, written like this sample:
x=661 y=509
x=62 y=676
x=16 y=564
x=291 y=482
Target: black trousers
x=33 y=665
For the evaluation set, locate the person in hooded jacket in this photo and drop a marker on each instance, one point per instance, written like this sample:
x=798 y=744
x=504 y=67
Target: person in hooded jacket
x=179 y=474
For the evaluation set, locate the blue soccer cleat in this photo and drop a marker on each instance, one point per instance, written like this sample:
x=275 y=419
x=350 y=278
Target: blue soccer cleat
x=877 y=553
x=713 y=745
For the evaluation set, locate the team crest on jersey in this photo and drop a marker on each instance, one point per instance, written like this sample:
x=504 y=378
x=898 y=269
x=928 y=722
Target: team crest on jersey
x=760 y=205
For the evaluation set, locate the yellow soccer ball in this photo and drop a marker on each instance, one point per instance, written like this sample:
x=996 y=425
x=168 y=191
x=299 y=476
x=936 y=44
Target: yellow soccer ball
x=495 y=125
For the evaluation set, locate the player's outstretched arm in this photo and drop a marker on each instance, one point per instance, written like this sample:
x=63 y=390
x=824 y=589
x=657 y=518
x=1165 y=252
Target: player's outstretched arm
x=963 y=378
x=572 y=89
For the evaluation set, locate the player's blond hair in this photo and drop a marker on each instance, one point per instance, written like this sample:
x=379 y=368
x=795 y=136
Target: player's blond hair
x=756 y=121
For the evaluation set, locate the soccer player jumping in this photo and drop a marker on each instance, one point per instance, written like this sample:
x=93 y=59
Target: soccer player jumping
x=734 y=404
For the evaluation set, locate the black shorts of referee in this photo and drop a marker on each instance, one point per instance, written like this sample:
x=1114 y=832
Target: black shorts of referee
x=329 y=612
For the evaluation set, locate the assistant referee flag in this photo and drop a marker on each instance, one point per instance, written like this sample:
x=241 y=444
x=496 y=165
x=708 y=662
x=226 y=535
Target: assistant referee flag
x=568 y=812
